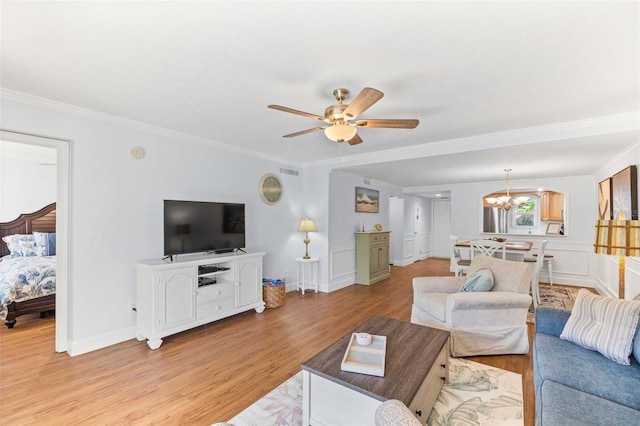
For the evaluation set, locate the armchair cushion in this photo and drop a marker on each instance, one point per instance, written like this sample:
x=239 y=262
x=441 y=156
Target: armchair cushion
x=508 y=275
x=482 y=280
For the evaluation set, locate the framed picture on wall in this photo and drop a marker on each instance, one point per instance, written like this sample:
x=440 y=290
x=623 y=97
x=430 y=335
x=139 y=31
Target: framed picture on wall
x=604 y=200
x=554 y=228
x=367 y=200
x=624 y=193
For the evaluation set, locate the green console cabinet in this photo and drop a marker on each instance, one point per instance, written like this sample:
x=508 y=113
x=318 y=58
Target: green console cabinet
x=372 y=257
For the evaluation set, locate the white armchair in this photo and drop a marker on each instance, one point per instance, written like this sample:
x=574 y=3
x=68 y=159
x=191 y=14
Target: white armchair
x=481 y=323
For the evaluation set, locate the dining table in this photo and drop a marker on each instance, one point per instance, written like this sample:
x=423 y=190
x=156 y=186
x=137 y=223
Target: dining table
x=516 y=250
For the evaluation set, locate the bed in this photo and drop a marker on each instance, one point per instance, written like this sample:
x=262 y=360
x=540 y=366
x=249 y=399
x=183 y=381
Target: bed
x=27 y=282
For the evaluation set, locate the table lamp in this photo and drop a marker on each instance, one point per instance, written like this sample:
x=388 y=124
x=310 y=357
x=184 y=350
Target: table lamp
x=618 y=237
x=306 y=226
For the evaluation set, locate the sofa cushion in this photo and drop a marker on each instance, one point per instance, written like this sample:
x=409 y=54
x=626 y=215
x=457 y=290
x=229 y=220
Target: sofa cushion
x=560 y=405
x=604 y=324
x=586 y=370
x=482 y=280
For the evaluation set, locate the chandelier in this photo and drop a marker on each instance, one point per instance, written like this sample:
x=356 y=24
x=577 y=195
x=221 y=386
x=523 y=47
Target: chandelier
x=505 y=202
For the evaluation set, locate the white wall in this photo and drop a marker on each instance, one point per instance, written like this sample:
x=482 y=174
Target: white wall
x=121 y=198
x=344 y=222
x=25 y=187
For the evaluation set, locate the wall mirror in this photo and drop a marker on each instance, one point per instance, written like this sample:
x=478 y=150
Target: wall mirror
x=529 y=213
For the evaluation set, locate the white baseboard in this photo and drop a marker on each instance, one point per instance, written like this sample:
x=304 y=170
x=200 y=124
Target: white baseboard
x=98 y=342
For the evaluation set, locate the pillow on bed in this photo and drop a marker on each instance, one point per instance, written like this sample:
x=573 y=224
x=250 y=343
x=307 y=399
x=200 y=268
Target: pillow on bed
x=21 y=245
x=45 y=243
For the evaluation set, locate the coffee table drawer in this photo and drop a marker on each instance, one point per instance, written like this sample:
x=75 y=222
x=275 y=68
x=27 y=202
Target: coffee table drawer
x=425 y=399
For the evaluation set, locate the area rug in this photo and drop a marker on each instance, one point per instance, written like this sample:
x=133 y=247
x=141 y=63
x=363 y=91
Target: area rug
x=476 y=395
x=557 y=296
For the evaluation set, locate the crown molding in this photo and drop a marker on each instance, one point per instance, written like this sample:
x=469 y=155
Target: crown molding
x=36 y=101
x=609 y=124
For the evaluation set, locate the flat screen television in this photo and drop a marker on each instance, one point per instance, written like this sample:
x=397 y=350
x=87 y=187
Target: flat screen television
x=201 y=226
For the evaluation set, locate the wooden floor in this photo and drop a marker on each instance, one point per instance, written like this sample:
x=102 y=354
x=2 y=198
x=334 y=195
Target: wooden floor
x=205 y=375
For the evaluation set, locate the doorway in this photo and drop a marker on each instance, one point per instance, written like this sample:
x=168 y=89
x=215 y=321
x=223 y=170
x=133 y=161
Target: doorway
x=441 y=227
x=396 y=226
x=62 y=225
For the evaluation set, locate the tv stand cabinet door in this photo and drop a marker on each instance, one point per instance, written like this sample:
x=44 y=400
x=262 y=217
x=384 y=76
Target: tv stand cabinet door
x=176 y=297
x=249 y=284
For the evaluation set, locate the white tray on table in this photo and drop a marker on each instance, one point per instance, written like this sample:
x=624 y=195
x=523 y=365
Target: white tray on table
x=365 y=359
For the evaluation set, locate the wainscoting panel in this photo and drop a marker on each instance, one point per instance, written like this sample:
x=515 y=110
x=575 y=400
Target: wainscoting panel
x=606 y=280
x=632 y=277
x=425 y=245
x=572 y=263
x=408 y=250
x=342 y=265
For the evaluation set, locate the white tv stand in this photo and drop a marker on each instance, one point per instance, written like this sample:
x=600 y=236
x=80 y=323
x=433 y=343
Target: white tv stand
x=193 y=290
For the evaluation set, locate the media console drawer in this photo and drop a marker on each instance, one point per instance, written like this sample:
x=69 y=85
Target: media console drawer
x=214 y=292
x=215 y=307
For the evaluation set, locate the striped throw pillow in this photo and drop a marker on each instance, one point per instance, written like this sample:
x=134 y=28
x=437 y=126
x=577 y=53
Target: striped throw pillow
x=603 y=324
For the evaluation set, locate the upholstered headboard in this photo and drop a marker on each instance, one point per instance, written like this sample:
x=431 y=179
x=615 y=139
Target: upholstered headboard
x=44 y=220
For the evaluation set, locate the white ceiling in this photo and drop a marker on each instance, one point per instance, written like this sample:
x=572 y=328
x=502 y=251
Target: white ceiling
x=550 y=88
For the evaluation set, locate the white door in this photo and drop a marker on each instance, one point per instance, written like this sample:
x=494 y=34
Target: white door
x=441 y=227
x=396 y=226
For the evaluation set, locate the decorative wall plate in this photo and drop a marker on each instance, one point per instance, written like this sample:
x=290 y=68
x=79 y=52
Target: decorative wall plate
x=378 y=227
x=270 y=189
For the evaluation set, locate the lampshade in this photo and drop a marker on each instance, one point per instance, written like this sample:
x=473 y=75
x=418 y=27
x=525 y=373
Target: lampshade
x=340 y=131
x=307 y=225
x=618 y=237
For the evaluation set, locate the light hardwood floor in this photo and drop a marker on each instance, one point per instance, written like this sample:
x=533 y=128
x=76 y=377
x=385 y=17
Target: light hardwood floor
x=204 y=375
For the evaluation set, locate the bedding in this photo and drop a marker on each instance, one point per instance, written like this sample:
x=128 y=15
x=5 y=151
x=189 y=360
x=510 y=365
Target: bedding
x=24 y=278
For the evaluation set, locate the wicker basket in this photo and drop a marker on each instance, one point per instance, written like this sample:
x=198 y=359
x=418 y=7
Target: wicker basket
x=274 y=295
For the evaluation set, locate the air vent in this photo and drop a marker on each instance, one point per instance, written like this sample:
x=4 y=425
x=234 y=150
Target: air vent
x=289 y=171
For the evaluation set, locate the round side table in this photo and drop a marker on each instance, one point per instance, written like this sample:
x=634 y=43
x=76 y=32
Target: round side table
x=307 y=274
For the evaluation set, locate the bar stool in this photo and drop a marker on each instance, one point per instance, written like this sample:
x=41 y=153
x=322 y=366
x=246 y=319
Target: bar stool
x=548 y=259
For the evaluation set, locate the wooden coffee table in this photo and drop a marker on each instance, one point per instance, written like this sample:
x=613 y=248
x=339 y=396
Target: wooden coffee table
x=417 y=365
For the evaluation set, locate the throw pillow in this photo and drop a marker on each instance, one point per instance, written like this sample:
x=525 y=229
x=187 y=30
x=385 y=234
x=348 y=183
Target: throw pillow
x=603 y=324
x=482 y=280
x=20 y=245
x=45 y=243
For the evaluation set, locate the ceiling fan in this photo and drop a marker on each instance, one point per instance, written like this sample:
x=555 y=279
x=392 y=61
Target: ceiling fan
x=341 y=118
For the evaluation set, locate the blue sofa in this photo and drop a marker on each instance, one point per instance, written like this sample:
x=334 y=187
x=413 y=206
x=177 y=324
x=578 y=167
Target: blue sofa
x=577 y=386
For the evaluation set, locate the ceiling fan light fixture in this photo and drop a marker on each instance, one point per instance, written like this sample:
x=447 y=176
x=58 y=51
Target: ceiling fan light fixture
x=340 y=132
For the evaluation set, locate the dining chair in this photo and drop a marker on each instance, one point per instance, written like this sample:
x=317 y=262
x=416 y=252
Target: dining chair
x=539 y=259
x=459 y=264
x=489 y=248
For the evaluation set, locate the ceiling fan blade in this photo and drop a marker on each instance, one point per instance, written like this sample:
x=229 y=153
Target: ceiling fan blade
x=304 y=132
x=389 y=123
x=362 y=102
x=302 y=113
x=355 y=140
